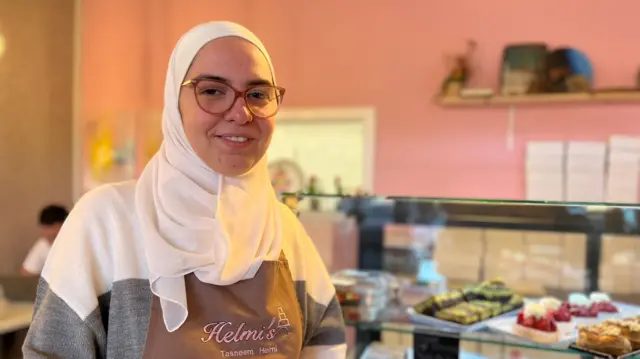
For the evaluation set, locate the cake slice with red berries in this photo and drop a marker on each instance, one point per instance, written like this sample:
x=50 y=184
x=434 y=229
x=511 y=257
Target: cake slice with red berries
x=601 y=303
x=581 y=306
x=536 y=323
x=561 y=311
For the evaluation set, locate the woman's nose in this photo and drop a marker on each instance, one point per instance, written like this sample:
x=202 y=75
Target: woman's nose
x=239 y=112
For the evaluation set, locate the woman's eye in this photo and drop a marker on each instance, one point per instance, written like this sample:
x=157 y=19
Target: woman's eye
x=212 y=92
x=258 y=95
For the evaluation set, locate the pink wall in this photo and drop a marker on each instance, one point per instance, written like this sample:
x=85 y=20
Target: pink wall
x=378 y=53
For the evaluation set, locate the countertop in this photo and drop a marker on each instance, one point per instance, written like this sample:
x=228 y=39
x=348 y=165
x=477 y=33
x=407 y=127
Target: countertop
x=15 y=316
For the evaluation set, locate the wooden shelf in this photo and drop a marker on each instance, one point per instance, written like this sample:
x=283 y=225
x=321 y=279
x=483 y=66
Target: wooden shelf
x=543 y=99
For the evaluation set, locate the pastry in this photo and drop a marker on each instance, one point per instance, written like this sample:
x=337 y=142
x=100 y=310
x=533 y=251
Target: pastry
x=465 y=313
x=603 y=338
x=581 y=306
x=492 y=290
x=494 y=308
x=536 y=323
x=438 y=302
x=550 y=303
x=601 y=303
x=561 y=311
x=514 y=303
x=349 y=302
x=635 y=319
x=630 y=329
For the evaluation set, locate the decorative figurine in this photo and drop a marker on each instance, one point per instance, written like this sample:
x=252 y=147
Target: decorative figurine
x=459 y=73
x=564 y=70
x=337 y=183
x=312 y=191
x=291 y=201
x=281 y=181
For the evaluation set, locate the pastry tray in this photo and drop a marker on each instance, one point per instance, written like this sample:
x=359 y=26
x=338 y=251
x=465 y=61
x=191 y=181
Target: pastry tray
x=505 y=326
x=426 y=320
x=603 y=355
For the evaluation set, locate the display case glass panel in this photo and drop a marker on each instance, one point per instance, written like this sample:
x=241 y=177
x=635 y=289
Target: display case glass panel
x=466 y=269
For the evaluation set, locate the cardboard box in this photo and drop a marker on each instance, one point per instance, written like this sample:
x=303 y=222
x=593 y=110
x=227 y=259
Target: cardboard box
x=456 y=259
x=574 y=251
x=460 y=272
x=617 y=285
x=459 y=247
x=504 y=256
x=574 y=259
x=616 y=279
x=409 y=235
x=544 y=244
x=618 y=268
x=574 y=283
x=543 y=260
x=466 y=240
x=619 y=250
x=500 y=240
x=545 y=275
x=635 y=283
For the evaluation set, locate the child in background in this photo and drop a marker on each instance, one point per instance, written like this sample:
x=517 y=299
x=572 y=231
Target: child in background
x=51 y=219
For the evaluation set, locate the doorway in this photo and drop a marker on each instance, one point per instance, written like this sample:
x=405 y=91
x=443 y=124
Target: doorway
x=324 y=143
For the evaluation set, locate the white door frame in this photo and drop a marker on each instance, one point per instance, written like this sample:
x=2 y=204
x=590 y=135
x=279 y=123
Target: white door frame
x=364 y=115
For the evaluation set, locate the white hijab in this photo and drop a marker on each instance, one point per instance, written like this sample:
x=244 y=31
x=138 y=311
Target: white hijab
x=193 y=219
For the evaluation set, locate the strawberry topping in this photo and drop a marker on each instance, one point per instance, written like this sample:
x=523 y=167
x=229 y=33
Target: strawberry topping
x=546 y=323
x=604 y=307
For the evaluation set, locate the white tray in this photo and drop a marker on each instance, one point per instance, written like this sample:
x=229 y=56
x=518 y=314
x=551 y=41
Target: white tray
x=626 y=310
x=568 y=331
x=426 y=320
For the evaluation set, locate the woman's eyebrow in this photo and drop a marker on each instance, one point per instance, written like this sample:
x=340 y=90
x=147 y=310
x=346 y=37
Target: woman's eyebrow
x=256 y=82
x=212 y=77
x=259 y=82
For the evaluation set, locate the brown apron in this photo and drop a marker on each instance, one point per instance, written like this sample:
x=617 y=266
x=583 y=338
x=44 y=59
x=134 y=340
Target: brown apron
x=254 y=318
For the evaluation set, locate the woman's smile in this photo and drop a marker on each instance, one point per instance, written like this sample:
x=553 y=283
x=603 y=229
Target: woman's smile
x=235 y=142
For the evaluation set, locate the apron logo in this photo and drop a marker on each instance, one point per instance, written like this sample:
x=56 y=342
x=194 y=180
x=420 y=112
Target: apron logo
x=227 y=332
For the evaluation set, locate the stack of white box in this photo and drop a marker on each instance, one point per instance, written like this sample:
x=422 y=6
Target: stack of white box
x=585 y=171
x=622 y=171
x=544 y=171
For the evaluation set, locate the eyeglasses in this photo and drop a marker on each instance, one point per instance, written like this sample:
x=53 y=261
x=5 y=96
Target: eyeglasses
x=216 y=97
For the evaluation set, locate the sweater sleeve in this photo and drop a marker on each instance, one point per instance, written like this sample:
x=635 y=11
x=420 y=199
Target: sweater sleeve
x=57 y=331
x=67 y=321
x=327 y=339
x=324 y=326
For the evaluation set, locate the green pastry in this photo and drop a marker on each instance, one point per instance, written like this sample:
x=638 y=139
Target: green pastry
x=438 y=302
x=493 y=290
x=514 y=303
x=494 y=308
x=465 y=313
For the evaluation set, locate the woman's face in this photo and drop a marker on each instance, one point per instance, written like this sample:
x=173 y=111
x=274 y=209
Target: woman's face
x=219 y=140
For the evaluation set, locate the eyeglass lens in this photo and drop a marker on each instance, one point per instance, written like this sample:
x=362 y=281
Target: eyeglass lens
x=216 y=97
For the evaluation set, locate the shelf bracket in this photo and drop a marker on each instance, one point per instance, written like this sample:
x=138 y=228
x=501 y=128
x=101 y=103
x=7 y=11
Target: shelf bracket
x=511 y=127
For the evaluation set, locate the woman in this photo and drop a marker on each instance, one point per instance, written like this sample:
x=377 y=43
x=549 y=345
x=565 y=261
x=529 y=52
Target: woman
x=198 y=258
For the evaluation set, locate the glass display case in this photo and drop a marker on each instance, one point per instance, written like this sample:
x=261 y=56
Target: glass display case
x=449 y=278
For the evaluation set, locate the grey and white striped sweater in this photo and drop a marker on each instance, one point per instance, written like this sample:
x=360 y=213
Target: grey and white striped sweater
x=94 y=297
